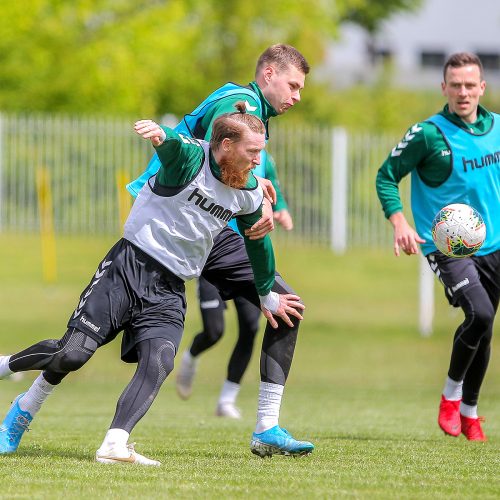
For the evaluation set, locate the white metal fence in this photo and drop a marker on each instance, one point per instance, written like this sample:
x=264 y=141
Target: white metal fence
x=327 y=176
x=332 y=203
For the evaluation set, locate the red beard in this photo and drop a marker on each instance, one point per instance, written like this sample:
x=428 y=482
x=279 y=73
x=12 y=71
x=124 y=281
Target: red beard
x=232 y=176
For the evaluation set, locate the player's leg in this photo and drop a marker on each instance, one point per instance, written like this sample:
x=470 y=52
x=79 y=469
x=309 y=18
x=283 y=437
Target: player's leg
x=57 y=358
x=212 y=314
x=463 y=289
x=156 y=361
x=278 y=347
x=151 y=339
x=248 y=326
x=489 y=272
x=101 y=309
x=229 y=269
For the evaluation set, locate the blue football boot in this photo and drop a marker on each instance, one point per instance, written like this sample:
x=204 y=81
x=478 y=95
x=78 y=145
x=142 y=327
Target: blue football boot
x=278 y=441
x=12 y=429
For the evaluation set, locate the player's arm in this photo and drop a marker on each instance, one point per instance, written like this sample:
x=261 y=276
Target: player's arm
x=281 y=212
x=404 y=157
x=180 y=156
x=261 y=255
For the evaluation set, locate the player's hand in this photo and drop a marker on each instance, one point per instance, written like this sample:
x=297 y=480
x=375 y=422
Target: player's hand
x=148 y=129
x=284 y=219
x=289 y=305
x=267 y=188
x=264 y=225
x=405 y=237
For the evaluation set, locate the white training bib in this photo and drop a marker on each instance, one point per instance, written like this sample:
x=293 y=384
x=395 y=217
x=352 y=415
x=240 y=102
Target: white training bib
x=178 y=231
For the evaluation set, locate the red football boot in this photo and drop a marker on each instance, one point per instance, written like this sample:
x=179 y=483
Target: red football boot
x=449 y=417
x=471 y=428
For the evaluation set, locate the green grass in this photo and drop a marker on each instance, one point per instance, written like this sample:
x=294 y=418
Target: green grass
x=364 y=387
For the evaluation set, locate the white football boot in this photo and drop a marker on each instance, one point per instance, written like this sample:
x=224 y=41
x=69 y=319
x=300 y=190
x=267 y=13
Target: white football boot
x=228 y=410
x=123 y=455
x=185 y=375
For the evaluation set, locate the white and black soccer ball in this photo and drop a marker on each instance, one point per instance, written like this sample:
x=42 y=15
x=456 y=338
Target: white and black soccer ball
x=458 y=230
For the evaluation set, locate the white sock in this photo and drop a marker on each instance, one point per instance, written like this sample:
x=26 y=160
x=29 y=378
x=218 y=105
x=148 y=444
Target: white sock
x=115 y=438
x=189 y=359
x=5 y=371
x=229 y=393
x=268 y=412
x=36 y=395
x=468 y=411
x=452 y=390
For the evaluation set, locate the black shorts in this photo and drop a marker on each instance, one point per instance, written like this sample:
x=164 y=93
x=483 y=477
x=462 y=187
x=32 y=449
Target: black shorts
x=459 y=275
x=208 y=295
x=132 y=292
x=228 y=268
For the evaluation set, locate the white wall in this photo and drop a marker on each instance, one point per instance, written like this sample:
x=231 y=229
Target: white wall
x=440 y=25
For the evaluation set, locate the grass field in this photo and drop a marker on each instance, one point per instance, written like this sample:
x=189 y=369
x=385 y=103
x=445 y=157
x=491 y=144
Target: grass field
x=364 y=388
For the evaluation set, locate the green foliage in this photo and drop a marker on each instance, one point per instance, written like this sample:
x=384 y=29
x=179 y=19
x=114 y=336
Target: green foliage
x=382 y=107
x=144 y=57
x=150 y=57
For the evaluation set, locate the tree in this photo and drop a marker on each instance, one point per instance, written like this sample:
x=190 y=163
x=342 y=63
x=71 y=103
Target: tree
x=145 y=58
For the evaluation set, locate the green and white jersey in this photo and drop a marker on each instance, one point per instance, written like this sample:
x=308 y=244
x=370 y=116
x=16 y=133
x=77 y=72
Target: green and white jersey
x=178 y=213
x=423 y=149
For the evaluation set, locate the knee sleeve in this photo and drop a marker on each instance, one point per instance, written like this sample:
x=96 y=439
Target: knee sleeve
x=165 y=358
x=62 y=356
x=156 y=361
x=76 y=348
x=479 y=317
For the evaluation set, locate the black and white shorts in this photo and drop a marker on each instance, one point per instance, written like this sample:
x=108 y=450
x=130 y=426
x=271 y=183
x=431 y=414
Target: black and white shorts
x=131 y=291
x=461 y=275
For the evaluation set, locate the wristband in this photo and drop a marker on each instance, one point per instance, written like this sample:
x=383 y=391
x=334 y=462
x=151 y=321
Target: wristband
x=271 y=301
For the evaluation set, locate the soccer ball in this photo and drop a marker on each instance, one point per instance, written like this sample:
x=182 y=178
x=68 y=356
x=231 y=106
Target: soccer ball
x=458 y=230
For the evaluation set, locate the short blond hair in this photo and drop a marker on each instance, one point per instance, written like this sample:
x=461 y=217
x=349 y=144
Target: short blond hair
x=282 y=56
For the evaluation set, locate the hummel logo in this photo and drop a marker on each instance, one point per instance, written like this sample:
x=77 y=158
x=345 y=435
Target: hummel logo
x=460 y=285
x=249 y=107
x=97 y=276
x=445 y=152
x=216 y=210
x=91 y=325
x=406 y=139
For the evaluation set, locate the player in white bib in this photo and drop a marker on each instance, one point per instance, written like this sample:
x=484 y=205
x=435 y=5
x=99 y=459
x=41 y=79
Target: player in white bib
x=138 y=287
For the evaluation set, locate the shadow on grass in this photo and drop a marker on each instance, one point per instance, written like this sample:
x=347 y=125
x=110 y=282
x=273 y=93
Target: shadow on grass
x=360 y=437
x=51 y=453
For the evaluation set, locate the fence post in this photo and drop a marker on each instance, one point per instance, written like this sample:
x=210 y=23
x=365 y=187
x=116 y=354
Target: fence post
x=339 y=195
x=426 y=297
x=124 y=198
x=47 y=234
